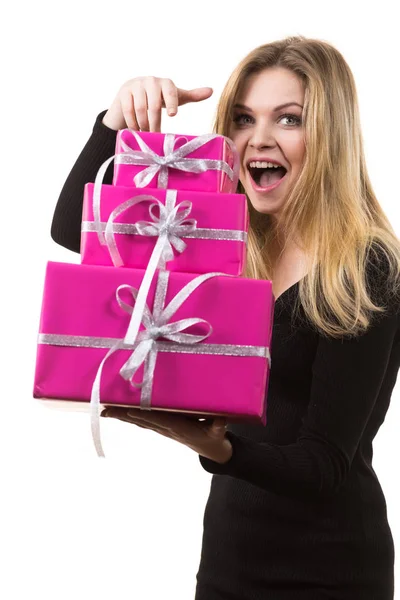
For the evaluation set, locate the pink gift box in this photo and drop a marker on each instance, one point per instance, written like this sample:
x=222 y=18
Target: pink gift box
x=224 y=216
x=219 y=148
x=81 y=319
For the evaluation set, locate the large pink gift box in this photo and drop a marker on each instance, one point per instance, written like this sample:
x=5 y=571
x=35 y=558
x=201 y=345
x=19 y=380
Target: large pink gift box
x=214 y=229
x=211 y=167
x=224 y=371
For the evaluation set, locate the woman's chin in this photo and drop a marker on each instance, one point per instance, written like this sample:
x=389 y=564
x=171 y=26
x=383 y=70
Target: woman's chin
x=266 y=205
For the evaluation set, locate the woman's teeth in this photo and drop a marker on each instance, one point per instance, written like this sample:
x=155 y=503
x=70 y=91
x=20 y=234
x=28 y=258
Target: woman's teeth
x=263 y=165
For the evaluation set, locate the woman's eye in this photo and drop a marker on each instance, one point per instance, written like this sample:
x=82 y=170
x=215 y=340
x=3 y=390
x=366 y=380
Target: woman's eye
x=240 y=120
x=296 y=119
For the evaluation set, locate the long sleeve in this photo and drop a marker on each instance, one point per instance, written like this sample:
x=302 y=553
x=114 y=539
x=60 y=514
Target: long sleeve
x=348 y=376
x=67 y=218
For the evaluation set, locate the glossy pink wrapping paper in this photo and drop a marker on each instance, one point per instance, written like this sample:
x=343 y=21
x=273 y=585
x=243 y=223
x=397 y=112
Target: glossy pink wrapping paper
x=80 y=300
x=208 y=181
x=210 y=210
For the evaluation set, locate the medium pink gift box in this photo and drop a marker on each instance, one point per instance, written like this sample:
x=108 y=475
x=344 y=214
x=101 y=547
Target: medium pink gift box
x=215 y=238
x=224 y=371
x=158 y=160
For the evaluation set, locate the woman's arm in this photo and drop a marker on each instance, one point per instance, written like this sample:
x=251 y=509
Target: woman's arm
x=67 y=218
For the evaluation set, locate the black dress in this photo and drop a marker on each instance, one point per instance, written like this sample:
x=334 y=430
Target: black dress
x=298 y=512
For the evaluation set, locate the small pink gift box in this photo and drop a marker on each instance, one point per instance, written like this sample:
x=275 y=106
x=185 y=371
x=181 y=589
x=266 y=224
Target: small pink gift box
x=205 y=231
x=206 y=163
x=215 y=362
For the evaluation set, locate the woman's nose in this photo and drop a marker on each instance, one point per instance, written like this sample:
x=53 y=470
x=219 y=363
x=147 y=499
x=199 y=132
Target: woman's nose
x=261 y=136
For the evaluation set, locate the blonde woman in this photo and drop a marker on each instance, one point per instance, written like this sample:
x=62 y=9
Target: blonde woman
x=295 y=509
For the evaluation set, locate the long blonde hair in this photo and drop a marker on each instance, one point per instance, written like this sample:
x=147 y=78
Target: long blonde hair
x=331 y=207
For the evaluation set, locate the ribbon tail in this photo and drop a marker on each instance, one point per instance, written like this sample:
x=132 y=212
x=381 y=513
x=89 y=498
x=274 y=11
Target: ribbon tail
x=96 y=436
x=96 y=198
x=147 y=384
x=135 y=360
x=143 y=178
x=138 y=309
x=163 y=177
x=95 y=407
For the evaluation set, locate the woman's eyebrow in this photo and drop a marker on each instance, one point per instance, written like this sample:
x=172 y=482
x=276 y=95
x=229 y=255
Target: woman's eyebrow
x=242 y=106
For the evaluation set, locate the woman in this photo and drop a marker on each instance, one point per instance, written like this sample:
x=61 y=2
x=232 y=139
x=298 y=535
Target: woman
x=295 y=509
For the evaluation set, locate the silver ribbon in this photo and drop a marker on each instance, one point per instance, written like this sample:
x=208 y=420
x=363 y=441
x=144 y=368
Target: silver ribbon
x=200 y=233
x=145 y=345
x=172 y=159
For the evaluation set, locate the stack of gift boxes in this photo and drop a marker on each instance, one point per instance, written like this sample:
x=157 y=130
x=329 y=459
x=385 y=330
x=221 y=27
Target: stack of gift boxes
x=158 y=315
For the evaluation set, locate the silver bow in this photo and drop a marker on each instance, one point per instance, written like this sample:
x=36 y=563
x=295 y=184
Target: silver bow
x=146 y=352
x=169 y=226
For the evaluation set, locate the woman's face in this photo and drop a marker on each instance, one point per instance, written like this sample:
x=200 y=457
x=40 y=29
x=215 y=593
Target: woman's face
x=262 y=131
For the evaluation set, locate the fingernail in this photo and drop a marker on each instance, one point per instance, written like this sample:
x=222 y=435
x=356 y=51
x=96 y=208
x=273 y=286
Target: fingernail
x=171 y=111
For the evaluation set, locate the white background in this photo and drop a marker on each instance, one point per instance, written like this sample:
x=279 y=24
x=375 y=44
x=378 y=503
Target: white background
x=129 y=526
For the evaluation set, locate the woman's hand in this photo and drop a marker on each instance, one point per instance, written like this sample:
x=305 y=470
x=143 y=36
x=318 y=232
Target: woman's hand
x=139 y=102
x=204 y=437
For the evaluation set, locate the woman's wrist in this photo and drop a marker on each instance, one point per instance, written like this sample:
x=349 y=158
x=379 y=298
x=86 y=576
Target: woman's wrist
x=113 y=118
x=222 y=454
x=227 y=451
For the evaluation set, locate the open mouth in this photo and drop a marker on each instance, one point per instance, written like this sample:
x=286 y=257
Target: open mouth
x=265 y=176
